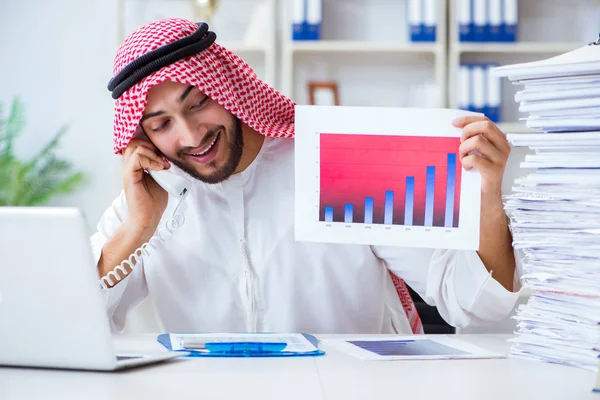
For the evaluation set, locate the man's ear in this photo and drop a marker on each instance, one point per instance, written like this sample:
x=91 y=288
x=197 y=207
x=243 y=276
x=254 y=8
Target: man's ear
x=140 y=134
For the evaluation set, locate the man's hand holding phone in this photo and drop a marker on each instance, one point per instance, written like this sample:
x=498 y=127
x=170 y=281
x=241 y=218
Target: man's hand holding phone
x=146 y=199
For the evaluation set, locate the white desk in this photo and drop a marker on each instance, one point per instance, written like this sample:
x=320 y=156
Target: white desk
x=334 y=376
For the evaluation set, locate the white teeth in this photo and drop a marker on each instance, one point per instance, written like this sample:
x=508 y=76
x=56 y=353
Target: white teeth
x=207 y=149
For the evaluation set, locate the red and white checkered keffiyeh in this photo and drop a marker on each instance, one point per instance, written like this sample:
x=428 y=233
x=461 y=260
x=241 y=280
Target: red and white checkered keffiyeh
x=217 y=72
x=226 y=79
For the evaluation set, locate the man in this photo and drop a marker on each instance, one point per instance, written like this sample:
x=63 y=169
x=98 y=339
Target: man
x=234 y=264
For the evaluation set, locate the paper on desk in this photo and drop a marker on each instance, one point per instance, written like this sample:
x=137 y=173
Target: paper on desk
x=566 y=114
x=541 y=353
x=564 y=124
x=588 y=80
x=558 y=105
x=535 y=140
x=560 y=327
x=579 y=62
x=296 y=342
x=563 y=160
x=439 y=347
x=555 y=212
x=550 y=93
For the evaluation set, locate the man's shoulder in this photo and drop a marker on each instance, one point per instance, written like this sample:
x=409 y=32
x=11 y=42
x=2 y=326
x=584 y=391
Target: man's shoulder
x=280 y=148
x=279 y=143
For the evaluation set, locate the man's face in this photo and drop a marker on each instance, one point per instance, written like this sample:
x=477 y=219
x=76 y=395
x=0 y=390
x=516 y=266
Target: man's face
x=193 y=132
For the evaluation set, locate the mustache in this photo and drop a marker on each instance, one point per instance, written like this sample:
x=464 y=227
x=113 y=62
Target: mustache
x=208 y=137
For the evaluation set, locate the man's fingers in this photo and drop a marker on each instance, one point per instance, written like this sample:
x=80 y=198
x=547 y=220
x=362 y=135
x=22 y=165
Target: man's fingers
x=143 y=163
x=489 y=130
x=484 y=147
x=136 y=143
x=142 y=157
x=473 y=161
x=461 y=122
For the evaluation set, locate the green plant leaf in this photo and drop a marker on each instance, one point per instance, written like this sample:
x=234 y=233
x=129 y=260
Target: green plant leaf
x=52 y=144
x=40 y=177
x=62 y=186
x=7 y=168
x=13 y=126
x=2 y=124
x=36 y=181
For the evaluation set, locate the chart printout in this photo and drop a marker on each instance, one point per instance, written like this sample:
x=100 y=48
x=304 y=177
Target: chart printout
x=384 y=176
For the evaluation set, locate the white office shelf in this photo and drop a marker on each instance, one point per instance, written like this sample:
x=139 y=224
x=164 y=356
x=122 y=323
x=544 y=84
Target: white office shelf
x=382 y=39
x=362 y=47
x=541 y=34
x=516 y=47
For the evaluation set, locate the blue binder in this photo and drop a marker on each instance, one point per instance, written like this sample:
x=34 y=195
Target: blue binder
x=415 y=20
x=466 y=25
x=493 y=92
x=299 y=24
x=429 y=20
x=495 y=20
x=422 y=20
x=245 y=349
x=480 y=20
x=510 y=20
x=314 y=19
x=478 y=88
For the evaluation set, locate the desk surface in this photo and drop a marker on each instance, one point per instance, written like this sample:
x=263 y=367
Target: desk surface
x=335 y=376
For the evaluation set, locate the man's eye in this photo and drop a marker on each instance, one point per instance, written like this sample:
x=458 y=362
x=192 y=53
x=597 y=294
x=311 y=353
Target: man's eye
x=161 y=126
x=201 y=102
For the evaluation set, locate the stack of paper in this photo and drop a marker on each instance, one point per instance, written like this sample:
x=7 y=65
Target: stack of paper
x=561 y=93
x=597 y=387
x=555 y=210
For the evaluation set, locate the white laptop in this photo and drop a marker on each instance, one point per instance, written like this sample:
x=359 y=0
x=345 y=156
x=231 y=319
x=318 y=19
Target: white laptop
x=52 y=311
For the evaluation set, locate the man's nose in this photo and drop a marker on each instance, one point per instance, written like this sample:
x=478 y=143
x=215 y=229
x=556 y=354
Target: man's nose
x=191 y=134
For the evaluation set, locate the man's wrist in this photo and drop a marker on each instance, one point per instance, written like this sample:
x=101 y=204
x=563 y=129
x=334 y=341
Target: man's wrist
x=492 y=202
x=136 y=229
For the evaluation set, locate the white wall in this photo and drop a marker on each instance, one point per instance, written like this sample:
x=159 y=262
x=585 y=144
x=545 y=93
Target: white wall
x=57 y=57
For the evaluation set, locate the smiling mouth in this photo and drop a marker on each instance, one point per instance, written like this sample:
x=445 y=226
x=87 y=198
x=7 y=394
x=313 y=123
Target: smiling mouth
x=207 y=149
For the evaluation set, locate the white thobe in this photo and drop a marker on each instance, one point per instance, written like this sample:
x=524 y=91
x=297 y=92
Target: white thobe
x=234 y=265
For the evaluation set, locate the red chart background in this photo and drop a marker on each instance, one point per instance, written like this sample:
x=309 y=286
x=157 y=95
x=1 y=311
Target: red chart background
x=357 y=166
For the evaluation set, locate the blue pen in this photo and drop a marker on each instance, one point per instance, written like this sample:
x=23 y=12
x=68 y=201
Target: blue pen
x=245 y=347
x=229 y=347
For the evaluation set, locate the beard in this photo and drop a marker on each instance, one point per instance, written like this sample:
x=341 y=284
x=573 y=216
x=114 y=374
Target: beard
x=219 y=174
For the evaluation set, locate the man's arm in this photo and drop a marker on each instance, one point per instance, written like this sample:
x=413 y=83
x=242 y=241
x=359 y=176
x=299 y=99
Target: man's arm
x=146 y=202
x=121 y=246
x=495 y=242
x=485 y=148
x=130 y=291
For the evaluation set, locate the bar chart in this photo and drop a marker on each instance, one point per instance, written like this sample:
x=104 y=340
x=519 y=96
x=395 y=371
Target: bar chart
x=389 y=180
x=383 y=176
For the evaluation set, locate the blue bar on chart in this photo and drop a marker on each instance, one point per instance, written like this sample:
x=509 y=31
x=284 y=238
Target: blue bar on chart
x=388 y=210
x=368 y=210
x=429 y=196
x=450 y=184
x=409 y=204
x=328 y=214
x=348 y=213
